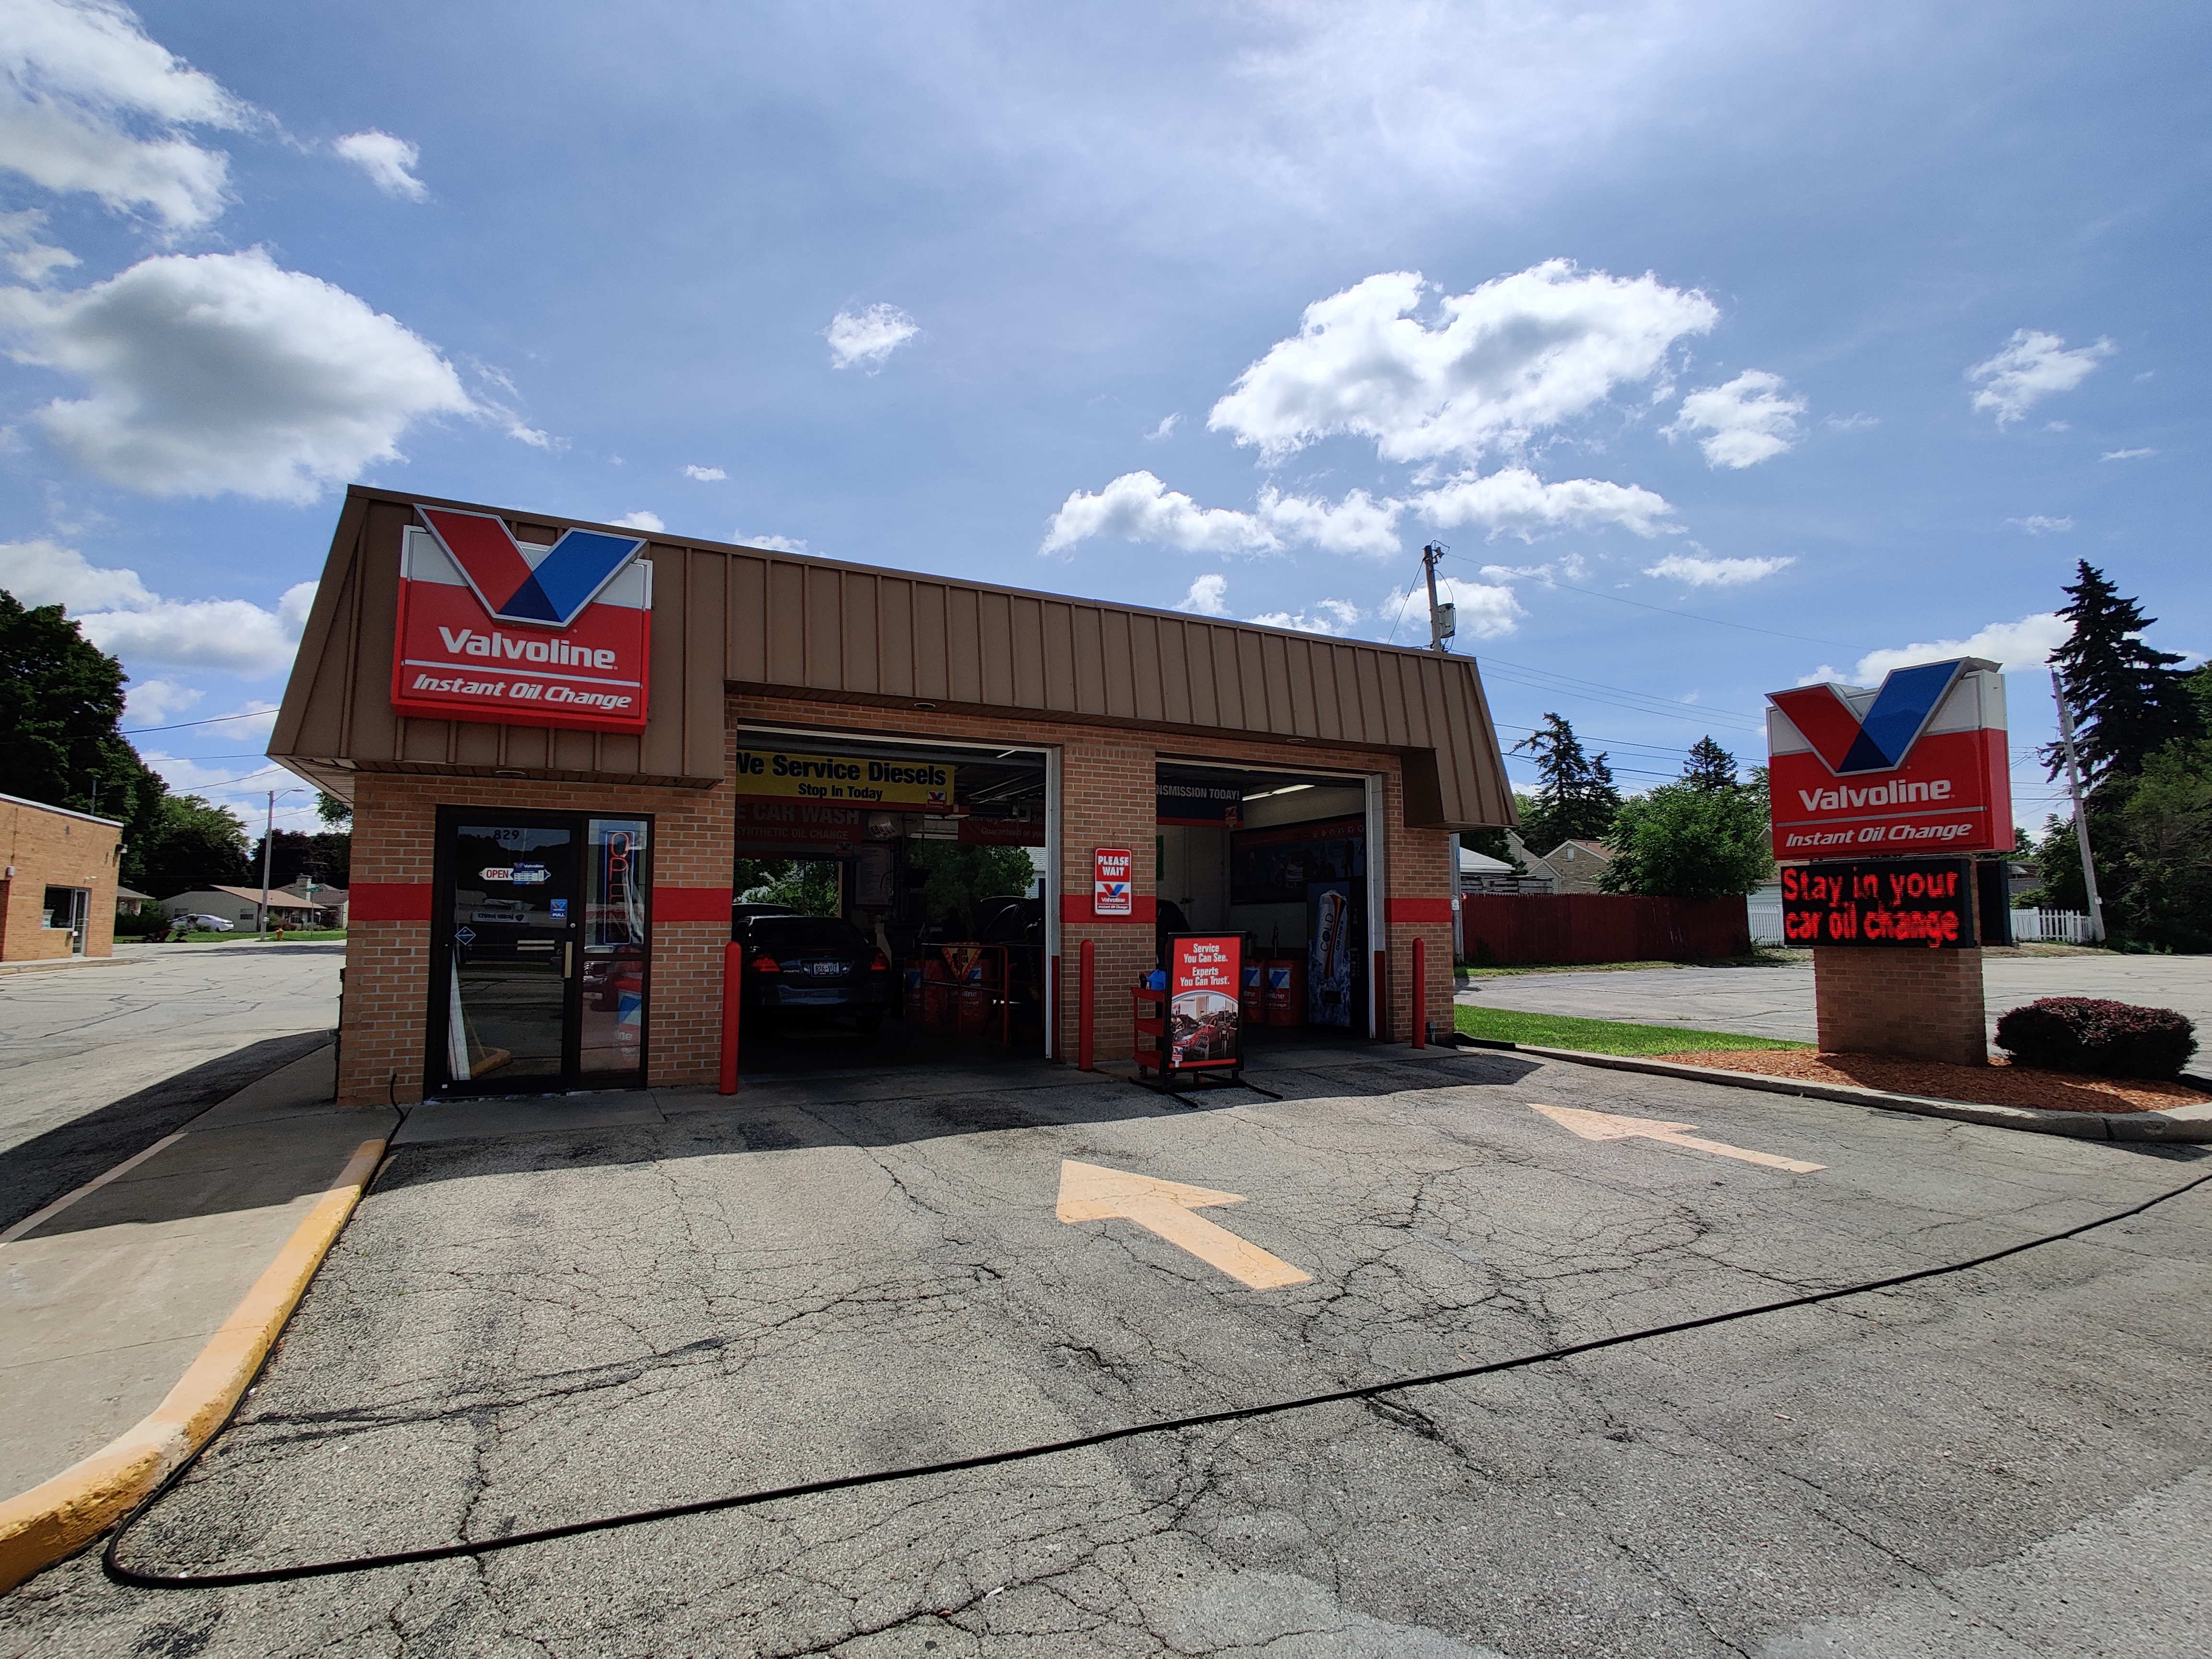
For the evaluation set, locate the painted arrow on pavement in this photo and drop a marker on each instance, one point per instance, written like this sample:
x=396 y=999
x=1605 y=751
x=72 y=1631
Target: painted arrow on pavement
x=1605 y=1126
x=1091 y=1192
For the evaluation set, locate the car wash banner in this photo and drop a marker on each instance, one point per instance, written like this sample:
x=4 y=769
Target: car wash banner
x=1917 y=764
x=518 y=634
x=1205 y=976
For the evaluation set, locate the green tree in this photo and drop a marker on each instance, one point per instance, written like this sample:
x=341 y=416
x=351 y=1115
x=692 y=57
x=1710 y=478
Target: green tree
x=326 y=858
x=2128 y=699
x=61 y=698
x=808 y=885
x=333 y=811
x=1689 y=839
x=1575 y=799
x=1709 y=766
x=195 y=843
x=955 y=877
x=2165 y=850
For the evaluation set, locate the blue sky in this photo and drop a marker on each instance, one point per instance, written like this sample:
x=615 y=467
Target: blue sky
x=1722 y=344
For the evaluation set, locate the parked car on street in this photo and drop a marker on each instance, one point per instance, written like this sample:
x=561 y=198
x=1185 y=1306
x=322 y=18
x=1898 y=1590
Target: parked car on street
x=211 y=925
x=810 y=968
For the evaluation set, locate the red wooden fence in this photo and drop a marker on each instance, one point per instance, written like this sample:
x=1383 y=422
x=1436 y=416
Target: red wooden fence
x=1601 y=928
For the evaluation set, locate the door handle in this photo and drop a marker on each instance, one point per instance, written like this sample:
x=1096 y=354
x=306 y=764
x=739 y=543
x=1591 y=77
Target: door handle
x=568 y=960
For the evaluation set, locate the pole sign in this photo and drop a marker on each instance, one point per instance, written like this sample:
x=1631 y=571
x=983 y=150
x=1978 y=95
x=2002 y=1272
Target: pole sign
x=1925 y=903
x=1205 y=979
x=494 y=629
x=1917 y=764
x=1112 y=893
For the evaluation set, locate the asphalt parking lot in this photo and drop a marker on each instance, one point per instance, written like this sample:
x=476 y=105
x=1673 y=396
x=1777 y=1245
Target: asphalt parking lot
x=833 y=1278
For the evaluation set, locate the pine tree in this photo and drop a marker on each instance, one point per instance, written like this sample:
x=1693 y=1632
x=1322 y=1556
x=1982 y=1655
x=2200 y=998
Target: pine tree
x=1576 y=799
x=1709 y=767
x=2128 y=700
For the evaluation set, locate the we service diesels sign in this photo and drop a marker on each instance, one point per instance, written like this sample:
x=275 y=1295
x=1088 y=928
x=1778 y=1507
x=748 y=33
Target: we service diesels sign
x=494 y=630
x=1917 y=764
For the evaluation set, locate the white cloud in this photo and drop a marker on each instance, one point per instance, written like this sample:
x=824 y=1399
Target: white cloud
x=639 y=520
x=45 y=573
x=1717 y=572
x=1208 y=596
x=225 y=372
x=1851 y=422
x=2038 y=524
x=1138 y=507
x=388 y=162
x=1334 y=618
x=706 y=474
x=31 y=259
x=769 y=544
x=868 y=337
x=1516 y=355
x=1749 y=420
x=1359 y=524
x=1486 y=611
x=2030 y=367
x=123 y=616
x=1166 y=427
x=88 y=103
x=151 y=702
x=2013 y=646
x=1571 y=567
x=2127 y=454
x=1515 y=500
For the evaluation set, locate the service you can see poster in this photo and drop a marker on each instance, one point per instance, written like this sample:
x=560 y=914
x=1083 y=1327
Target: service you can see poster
x=520 y=633
x=1205 y=973
x=1917 y=764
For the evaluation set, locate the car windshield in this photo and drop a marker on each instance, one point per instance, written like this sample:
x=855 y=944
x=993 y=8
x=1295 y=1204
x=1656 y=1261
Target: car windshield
x=805 y=933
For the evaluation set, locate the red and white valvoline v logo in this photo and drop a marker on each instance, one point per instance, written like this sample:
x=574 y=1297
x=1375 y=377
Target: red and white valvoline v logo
x=515 y=633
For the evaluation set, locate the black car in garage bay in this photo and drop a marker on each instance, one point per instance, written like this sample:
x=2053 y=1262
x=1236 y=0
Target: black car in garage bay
x=810 y=968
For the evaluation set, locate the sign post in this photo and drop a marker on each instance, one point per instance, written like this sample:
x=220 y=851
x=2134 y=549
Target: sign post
x=1864 y=783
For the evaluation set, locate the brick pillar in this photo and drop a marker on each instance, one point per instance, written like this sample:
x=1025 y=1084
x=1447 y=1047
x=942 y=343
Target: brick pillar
x=1912 y=1003
x=1106 y=799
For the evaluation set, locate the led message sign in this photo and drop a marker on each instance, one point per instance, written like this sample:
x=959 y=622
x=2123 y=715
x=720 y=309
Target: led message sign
x=1924 y=902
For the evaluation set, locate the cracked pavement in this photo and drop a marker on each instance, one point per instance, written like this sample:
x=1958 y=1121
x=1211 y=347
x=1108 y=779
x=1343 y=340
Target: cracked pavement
x=828 y=1278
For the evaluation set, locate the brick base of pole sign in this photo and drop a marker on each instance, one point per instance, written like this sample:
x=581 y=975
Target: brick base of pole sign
x=1915 y=1005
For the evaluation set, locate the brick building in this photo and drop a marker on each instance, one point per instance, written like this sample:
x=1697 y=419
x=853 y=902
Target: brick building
x=57 y=894
x=1259 y=778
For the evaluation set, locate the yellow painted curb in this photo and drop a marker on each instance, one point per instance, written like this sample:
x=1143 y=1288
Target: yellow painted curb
x=69 y=1511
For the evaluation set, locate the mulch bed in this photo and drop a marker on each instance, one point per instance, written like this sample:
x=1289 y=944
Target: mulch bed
x=1998 y=1084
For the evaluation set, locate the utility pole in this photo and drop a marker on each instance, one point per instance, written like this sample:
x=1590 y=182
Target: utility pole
x=2080 y=805
x=94 y=776
x=268 y=838
x=1443 y=619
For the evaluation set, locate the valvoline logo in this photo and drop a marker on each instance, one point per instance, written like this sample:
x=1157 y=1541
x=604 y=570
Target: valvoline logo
x=508 y=632
x=1917 y=764
x=551 y=595
x=1880 y=741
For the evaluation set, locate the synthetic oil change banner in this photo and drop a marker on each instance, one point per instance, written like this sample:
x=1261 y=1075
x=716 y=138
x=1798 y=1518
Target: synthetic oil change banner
x=892 y=778
x=516 y=634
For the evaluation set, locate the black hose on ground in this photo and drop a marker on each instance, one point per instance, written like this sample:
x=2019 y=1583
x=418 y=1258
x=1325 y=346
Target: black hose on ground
x=112 y=1562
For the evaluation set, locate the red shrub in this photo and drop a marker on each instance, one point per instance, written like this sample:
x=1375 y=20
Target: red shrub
x=2102 y=1038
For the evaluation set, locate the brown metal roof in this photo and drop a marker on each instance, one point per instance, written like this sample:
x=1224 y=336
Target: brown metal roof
x=730 y=618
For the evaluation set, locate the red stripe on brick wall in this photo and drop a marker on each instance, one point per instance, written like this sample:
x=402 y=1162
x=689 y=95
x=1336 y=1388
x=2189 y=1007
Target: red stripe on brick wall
x=1075 y=906
x=388 y=901
x=1419 y=909
x=691 y=905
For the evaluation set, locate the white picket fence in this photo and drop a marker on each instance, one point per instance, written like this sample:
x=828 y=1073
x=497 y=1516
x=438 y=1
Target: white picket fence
x=2050 y=927
x=2028 y=926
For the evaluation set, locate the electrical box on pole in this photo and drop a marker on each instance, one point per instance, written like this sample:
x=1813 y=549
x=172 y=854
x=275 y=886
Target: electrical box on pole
x=1443 y=619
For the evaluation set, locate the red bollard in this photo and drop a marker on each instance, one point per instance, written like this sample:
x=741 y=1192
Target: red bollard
x=1084 y=976
x=733 y=989
x=1382 y=1000
x=1420 y=992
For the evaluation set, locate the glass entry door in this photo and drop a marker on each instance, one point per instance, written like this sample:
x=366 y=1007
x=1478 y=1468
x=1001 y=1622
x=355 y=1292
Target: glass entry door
x=541 y=958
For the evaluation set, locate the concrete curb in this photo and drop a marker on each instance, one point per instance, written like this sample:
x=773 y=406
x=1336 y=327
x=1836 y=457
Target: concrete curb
x=63 y=1515
x=2168 y=1126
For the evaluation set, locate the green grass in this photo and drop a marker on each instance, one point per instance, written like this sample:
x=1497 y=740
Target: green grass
x=245 y=936
x=1761 y=958
x=1600 y=1037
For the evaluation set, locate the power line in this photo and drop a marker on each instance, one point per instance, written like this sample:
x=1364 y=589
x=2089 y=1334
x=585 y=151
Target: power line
x=251 y=714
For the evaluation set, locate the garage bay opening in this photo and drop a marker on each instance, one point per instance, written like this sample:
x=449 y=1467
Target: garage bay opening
x=889 y=900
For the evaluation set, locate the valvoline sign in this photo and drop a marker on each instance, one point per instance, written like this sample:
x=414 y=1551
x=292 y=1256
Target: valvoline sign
x=1917 y=764
x=518 y=634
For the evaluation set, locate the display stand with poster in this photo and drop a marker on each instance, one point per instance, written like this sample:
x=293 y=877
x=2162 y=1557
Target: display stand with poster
x=1194 y=1019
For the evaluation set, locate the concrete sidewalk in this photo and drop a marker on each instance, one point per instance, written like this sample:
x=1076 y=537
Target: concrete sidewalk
x=109 y=1295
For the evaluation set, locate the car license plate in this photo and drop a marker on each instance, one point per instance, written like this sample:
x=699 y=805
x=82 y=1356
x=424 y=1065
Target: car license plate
x=826 y=969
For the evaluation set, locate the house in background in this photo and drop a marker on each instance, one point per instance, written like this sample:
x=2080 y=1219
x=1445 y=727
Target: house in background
x=1576 y=865
x=241 y=907
x=129 y=901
